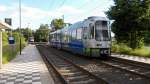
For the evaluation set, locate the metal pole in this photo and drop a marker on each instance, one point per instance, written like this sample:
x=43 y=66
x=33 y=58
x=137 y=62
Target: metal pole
x=20 y=23
x=1 y=49
x=63 y=17
x=28 y=32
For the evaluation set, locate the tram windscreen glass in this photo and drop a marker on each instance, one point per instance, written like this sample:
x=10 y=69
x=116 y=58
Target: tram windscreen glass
x=101 y=31
x=105 y=35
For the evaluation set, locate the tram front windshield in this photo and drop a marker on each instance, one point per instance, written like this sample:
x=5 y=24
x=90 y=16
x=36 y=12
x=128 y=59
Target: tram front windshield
x=101 y=31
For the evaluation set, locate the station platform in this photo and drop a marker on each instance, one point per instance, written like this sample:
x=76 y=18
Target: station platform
x=134 y=58
x=27 y=68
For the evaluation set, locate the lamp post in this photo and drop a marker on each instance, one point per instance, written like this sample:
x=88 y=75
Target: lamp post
x=20 y=23
x=28 y=32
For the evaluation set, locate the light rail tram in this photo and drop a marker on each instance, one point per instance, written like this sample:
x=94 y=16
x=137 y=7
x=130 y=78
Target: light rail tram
x=90 y=37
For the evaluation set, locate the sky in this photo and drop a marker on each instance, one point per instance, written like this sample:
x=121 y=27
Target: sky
x=36 y=12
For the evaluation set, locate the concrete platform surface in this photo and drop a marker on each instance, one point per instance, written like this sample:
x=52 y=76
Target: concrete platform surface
x=27 y=68
x=134 y=58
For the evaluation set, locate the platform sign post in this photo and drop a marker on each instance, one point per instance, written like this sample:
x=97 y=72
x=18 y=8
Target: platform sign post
x=1 y=48
x=11 y=40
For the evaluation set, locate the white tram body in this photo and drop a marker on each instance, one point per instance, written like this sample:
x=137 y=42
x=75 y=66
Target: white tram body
x=91 y=37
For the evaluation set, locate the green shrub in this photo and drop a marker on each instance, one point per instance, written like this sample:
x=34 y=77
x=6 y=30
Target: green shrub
x=5 y=38
x=115 y=47
x=124 y=49
x=141 y=52
x=7 y=49
x=8 y=53
x=120 y=48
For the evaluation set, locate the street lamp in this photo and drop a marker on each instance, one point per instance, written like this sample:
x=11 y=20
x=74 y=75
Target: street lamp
x=28 y=32
x=20 y=23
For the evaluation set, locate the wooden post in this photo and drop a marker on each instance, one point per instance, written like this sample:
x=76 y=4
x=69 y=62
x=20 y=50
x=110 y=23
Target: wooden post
x=1 y=48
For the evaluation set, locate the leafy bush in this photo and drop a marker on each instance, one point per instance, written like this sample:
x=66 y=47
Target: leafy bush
x=124 y=49
x=9 y=54
x=115 y=47
x=5 y=38
x=120 y=48
x=141 y=52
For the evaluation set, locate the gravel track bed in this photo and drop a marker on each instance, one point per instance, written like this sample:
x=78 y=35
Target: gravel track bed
x=109 y=74
x=51 y=70
x=135 y=68
x=70 y=72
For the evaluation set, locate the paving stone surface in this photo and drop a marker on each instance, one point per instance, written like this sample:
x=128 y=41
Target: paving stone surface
x=27 y=68
x=135 y=58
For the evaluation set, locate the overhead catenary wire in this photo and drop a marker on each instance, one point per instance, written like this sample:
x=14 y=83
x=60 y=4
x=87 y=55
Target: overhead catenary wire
x=83 y=5
x=52 y=2
x=92 y=10
x=61 y=5
x=87 y=12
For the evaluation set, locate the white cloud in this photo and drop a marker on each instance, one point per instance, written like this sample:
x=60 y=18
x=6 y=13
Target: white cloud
x=2 y=8
x=87 y=0
x=34 y=16
x=69 y=10
x=81 y=17
x=97 y=9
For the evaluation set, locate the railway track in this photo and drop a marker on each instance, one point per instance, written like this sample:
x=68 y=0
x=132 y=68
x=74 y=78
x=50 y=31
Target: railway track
x=138 y=68
x=69 y=72
x=108 y=70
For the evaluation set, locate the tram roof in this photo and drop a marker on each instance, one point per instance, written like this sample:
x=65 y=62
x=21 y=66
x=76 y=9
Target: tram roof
x=76 y=25
x=80 y=24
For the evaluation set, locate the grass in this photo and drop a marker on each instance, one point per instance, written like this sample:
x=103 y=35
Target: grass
x=123 y=49
x=141 y=52
x=8 y=54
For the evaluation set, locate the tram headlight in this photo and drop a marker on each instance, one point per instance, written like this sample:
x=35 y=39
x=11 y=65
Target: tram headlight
x=98 y=44
x=104 y=52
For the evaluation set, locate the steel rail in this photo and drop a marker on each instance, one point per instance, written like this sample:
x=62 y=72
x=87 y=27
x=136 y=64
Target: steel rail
x=123 y=69
x=53 y=66
x=97 y=79
x=131 y=62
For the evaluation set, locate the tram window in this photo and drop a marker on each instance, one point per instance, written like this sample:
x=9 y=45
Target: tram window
x=61 y=37
x=73 y=34
x=85 y=33
x=91 y=31
x=79 y=33
x=105 y=35
x=65 y=36
x=104 y=23
x=70 y=37
x=55 y=37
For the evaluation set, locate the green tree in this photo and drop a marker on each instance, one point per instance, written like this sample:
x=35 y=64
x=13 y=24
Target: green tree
x=57 y=24
x=131 y=20
x=5 y=38
x=27 y=32
x=42 y=34
x=147 y=38
x=16 y=36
